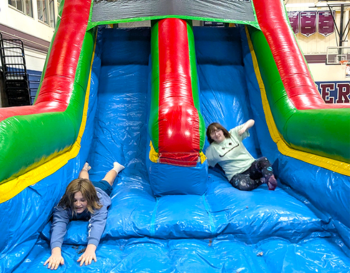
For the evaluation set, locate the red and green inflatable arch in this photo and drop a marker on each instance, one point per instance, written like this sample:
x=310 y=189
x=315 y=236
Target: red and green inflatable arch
x=33 y=135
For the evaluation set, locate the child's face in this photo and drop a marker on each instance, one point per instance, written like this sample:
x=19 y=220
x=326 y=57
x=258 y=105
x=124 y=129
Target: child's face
x=80 y=203
x=217 y=135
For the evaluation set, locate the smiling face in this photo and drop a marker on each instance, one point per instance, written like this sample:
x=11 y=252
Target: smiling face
x=217 y=135
x=80 y=202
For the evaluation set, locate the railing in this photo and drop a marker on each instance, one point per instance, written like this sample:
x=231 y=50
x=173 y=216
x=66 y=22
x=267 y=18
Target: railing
x=14 y=72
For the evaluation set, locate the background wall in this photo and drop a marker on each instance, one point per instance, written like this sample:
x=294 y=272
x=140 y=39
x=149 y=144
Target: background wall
x=35 y=34
x=317 y=43
x=35 y=60
x=323 y=72
x=33 y=22
x=14 y=18
x=331 y=80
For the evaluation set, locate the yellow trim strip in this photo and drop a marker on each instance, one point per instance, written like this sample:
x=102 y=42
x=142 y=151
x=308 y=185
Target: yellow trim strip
x=324 y=162
x=15 y=186
x=154 y=156
x=203 y=157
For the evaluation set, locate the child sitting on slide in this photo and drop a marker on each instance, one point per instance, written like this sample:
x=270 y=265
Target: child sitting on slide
x=83 y=200
x=242 y=170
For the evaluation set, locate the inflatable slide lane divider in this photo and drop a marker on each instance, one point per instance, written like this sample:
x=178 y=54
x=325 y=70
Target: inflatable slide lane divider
x=176 y=127
x=38 y=140
x=301 y=124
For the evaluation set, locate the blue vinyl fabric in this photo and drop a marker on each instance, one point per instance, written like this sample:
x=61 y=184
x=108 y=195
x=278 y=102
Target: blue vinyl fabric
x=223 y=230
x=324 y=191
x=172 y=180
x=223 y=210
x=25 y=215
x=223 y=254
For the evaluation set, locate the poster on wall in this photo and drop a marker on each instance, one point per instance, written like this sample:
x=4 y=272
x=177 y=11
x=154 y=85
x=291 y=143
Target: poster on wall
x=294 y=20
x=308 y=22
x=325 y=23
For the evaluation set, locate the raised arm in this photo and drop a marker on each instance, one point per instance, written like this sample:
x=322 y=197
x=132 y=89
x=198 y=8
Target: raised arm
x=246 y=126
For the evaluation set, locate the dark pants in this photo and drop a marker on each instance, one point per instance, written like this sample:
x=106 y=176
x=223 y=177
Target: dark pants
x=103 y=185
x=258 y=173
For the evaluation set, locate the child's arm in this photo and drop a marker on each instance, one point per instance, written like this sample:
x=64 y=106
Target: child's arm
x=58 y=230
x=246 y=126
x=97 y=225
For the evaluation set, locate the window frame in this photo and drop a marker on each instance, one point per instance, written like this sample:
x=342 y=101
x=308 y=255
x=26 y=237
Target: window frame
x=24 y=4
x=48 y=13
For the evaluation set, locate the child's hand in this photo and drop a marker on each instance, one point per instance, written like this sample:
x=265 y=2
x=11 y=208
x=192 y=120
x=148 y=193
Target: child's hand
x=55 y=259
x=88 y=255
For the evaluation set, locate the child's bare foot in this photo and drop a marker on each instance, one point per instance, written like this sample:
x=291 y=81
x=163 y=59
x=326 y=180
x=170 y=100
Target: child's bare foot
x=87 y=167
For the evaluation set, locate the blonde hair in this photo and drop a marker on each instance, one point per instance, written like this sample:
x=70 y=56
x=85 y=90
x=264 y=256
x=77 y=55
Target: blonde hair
x=87 y=190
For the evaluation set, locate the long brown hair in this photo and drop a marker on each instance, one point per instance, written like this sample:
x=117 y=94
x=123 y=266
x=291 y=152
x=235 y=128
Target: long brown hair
x=212 y=127
x=87 y=190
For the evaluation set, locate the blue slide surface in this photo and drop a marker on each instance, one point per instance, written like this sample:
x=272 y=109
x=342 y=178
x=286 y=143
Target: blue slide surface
x=225 y=230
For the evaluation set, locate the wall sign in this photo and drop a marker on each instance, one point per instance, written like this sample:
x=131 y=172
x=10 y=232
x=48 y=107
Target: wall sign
x=294 y=18
x=325 y=23
x=334 y=92
x=308 y=22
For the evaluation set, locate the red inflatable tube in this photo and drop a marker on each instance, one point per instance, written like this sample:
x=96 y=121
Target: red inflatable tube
x=179 y=140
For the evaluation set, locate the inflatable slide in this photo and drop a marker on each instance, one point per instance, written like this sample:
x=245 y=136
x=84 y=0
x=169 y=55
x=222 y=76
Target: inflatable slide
x=144 y=97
